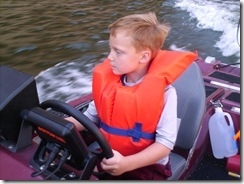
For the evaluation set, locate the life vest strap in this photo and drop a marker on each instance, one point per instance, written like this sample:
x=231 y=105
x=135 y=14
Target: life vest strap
x=136 y=133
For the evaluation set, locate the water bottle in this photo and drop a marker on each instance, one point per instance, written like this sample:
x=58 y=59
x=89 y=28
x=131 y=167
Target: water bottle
x=222 y=134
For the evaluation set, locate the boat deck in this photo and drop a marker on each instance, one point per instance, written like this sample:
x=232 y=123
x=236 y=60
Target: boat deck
x=211 y=168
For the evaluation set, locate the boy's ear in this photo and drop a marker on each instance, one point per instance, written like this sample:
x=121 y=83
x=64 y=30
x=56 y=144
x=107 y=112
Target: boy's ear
x=146 y=56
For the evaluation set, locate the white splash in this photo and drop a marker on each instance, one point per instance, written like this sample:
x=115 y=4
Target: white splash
x=217 y=15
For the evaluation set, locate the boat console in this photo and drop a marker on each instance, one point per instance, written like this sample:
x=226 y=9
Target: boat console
x=64 y=153
x=38 y=143
x=60 y=144
x=17 y=92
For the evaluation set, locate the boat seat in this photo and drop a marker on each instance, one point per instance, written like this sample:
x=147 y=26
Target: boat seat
x=191 y=107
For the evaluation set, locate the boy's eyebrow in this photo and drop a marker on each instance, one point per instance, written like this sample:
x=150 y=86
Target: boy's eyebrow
x=114 y=47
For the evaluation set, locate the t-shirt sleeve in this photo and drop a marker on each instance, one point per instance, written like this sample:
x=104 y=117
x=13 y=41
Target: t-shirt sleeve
x=167 y=128
x=91 y=112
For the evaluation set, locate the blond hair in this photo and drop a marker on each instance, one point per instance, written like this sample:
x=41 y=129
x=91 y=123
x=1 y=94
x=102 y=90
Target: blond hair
x=144 y=29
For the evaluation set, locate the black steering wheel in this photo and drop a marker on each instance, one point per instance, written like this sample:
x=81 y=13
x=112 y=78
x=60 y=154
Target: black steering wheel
x=65 y=108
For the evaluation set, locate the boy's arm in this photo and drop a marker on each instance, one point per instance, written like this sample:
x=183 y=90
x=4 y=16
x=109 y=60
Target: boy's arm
x=91 y=113
x=77 y=124
x=120 y=164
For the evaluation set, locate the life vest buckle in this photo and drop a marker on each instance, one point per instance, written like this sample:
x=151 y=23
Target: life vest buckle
x=135 y=134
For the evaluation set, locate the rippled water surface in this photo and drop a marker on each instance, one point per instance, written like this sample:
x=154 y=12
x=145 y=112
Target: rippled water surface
x=36 y=35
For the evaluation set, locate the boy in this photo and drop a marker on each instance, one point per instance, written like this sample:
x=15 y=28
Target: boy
x=134 y=102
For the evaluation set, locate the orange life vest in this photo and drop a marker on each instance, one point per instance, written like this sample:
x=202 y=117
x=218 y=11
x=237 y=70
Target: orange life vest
x=129 y=115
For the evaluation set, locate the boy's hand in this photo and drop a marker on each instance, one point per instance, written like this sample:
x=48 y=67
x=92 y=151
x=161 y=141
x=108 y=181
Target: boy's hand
x=77 y=124
x=115 y=165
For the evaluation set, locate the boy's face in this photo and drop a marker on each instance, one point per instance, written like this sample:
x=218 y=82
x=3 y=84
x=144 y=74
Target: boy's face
x=124 y=59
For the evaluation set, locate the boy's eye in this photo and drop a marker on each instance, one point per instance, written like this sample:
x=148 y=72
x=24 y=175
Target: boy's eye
x=118 y=51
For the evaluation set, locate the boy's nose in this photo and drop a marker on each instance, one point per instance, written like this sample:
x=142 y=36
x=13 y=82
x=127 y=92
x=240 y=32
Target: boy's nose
x=110 y=57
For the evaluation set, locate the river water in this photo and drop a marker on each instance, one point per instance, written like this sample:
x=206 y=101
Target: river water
x=60 y=41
